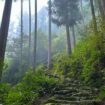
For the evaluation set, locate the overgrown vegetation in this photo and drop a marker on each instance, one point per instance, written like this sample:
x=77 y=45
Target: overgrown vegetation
x=87 y=63
x=33 y=86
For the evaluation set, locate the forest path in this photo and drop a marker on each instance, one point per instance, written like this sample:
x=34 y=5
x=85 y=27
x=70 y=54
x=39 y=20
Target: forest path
x=73 y=92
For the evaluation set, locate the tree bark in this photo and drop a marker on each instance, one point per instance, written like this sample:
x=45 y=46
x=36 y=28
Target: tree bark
x=103 y=3
x=21 y=43
x=94 y=17
x=73 y=33
x=4 y=32
x=82 y=11
x=35 y=36
x=102 y=13
x=68 y=40
x=29 y=33
x=49 y=39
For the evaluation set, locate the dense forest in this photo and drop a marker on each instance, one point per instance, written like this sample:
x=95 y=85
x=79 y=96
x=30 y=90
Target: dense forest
x=52 y=54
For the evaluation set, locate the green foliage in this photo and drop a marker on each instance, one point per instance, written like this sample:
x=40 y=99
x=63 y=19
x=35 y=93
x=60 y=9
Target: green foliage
x=4 y=89
x=20 y=97
x=87 y=60
x=102 y=93
x=34 y=85
x=62 y=10
x=61 y=64
x=88 y=55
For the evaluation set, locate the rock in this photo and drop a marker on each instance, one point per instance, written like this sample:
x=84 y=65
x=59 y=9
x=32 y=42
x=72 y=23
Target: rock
x=72 y=92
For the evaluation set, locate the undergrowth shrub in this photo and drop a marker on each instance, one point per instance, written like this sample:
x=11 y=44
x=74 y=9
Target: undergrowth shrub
x=4 y=89
x=34 y=85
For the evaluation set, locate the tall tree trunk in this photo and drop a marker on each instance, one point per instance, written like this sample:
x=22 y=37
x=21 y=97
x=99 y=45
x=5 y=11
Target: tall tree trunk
x=103 y=3
x=101 y=10
x=82 y=11
x=73 y=33
x=35 y=36
x=94 y=17
x=49 y=39
x=68 y=40
x=103 y=6
x=21 y=43
x=4 y=32
x=29 y=33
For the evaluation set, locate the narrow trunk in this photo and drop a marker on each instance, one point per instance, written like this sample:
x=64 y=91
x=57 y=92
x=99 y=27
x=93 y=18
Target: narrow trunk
x=21 y=44
x=94 y=17
x=101 y=10
x=49 y=39
x=73 y=33
x=35 y=36
x=29 y=33
x=82 y=11
x=103 y=3
x=4 y=32
x=68 y=40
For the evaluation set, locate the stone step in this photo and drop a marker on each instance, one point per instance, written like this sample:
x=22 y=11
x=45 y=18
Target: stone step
x=64 y=92
x=61 y=86
x=67 y=88
x=65 y=95
x=71 y=80
x=72 y=88
x=84 y=94
x=88 y=88
x=73 y=85
x=73 y=98
x=66 y=98
x=83 y=102
x=72 y=92
x=71 y=104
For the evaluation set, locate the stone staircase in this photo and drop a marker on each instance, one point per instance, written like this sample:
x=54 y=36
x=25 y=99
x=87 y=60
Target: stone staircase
x=73 y=92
